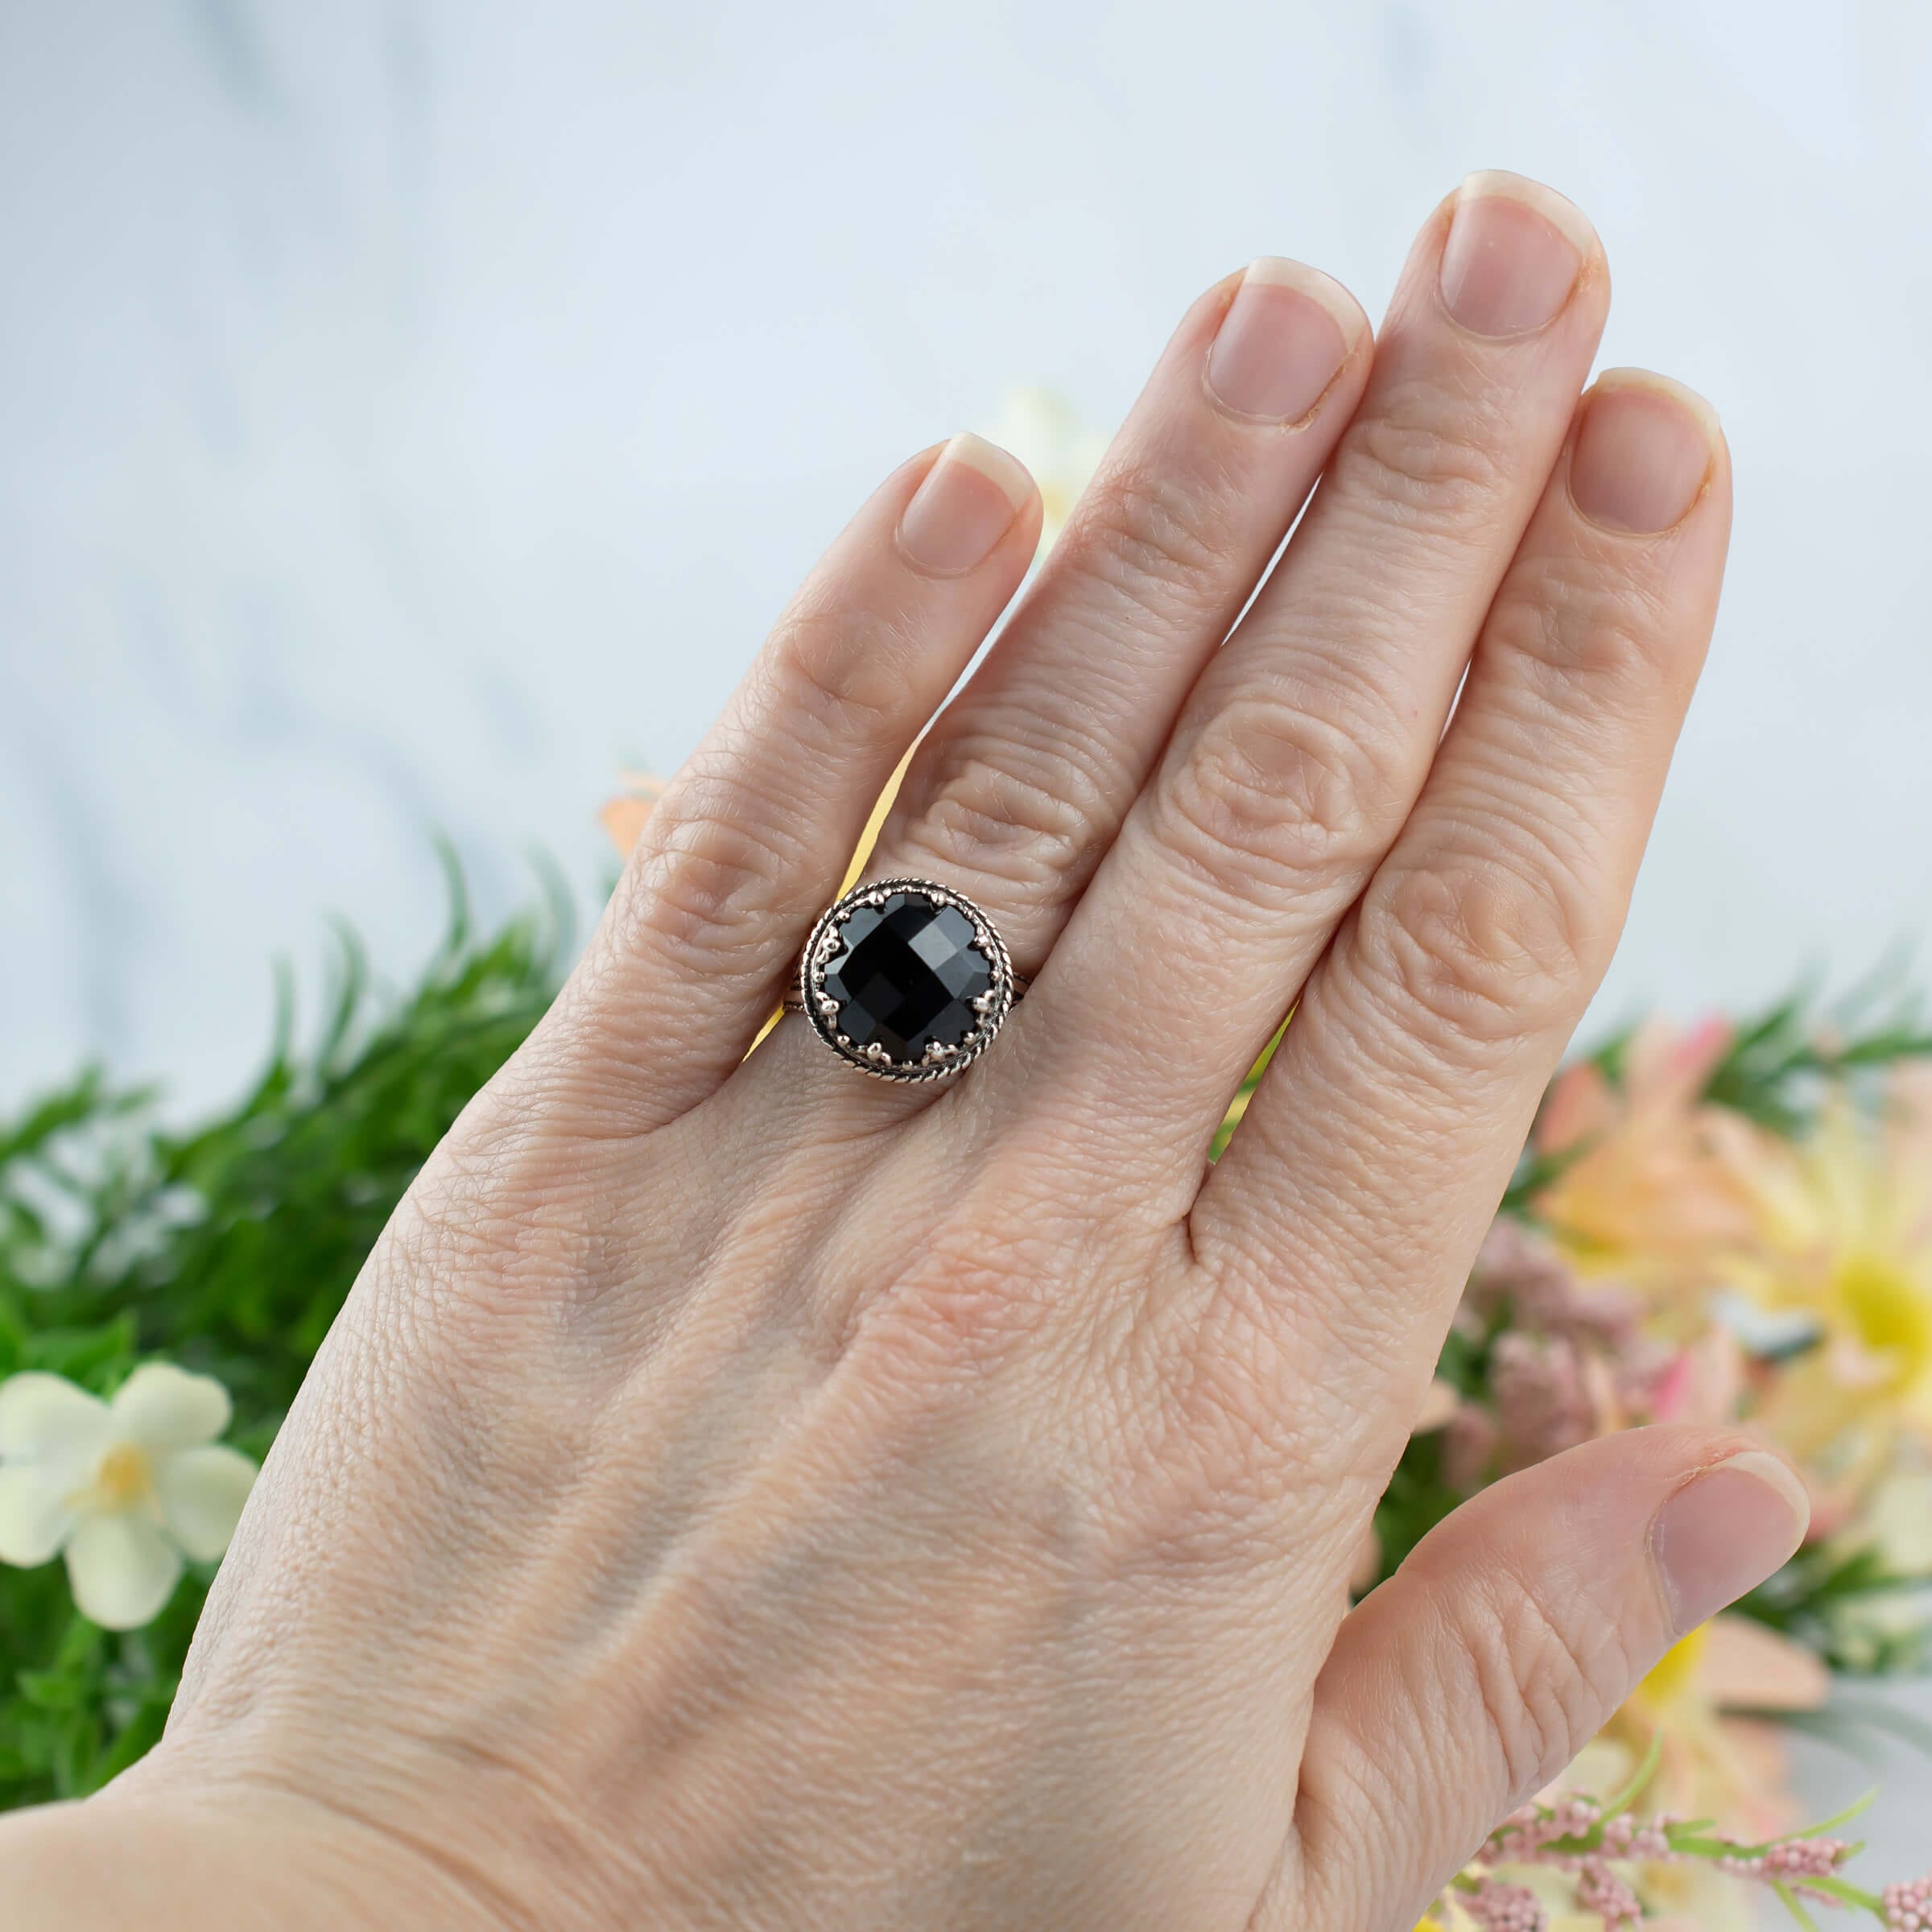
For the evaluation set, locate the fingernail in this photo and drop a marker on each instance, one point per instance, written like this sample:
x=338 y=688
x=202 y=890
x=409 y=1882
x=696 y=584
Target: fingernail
x=1287 y=332
x=1724 y=1532
x=1514 y=252
x=1642 y=452
x=967 y=503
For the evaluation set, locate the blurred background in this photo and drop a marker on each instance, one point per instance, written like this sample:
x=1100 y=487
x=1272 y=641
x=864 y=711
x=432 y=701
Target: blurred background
x=413 y=413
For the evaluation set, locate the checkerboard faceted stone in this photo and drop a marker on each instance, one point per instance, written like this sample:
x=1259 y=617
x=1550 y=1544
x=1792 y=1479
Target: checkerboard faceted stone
x=905 y=974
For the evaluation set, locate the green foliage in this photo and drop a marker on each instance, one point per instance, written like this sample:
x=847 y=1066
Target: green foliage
x=1778 y=1065
x=1418 y=1498
x=1824 y=1599
x=228 y=1248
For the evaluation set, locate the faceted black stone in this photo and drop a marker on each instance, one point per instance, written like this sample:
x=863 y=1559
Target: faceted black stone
x=905 y=974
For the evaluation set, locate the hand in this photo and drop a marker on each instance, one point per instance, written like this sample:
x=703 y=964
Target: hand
x=741 y=1493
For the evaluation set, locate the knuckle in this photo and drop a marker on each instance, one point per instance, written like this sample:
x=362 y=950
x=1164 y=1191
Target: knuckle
x=1571 y=619
x=990 y=1273
x=702 y=884
x=1487 y=952
x=1153 y=537
x=1273 y=791
x=845 y=670
x=1008 y=805
x=975 y=1295
x=509 y=1204
x=1434 y=454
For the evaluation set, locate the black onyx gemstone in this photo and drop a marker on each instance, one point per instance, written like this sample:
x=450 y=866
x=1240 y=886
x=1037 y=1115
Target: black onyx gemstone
x=905 y=974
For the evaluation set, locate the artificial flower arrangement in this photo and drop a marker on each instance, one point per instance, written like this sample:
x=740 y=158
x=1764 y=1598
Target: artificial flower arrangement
x=1716 y=1225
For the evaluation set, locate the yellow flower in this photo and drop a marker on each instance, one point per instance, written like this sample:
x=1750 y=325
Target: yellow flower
x=126 y=1490
x=1044 y=433
x=1841 y=1232
x=1712 y=1762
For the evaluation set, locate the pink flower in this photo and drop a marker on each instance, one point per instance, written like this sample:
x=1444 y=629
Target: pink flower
x=623 y=817
x=1495 y=1907
x=1567 y=1359
x=1601 y=1890
x=1909 y=1905
x=1704 y=1381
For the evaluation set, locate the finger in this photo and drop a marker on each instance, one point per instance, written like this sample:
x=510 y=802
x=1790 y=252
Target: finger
x=1023 y=781
x=1367 y=1167
x=1474 y=1675
x=1305 y=740
x=752 y=836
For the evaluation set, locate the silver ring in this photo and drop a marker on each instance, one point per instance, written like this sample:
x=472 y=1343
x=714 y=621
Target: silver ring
x=906 y=979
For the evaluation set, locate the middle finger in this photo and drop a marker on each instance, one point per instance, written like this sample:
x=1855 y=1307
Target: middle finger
x=1306 y=739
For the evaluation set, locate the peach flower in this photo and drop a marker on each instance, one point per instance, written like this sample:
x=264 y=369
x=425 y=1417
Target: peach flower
x=1638 y=1192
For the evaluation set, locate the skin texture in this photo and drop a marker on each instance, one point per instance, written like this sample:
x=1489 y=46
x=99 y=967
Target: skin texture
x=741 y=1494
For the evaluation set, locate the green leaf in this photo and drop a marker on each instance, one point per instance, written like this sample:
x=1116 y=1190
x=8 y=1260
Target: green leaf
x=1856 y=1809
x=1792 y=1904
x=1849 y=1894
x=227 y=1245
x=1639 y=1782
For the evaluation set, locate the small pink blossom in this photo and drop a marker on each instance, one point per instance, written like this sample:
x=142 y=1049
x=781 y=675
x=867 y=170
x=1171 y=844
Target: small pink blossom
x=1601 y=1890
x=1909 y=1905
x=1495 y=1907
x=1570 y=1835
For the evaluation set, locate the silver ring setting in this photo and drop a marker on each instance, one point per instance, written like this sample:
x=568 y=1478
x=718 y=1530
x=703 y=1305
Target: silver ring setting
x=906 y=979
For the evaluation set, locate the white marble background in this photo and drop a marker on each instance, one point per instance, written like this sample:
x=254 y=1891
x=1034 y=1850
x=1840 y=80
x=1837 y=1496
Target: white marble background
x=412 y=410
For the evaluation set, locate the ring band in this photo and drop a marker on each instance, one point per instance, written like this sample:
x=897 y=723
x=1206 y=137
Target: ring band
x=906 y=979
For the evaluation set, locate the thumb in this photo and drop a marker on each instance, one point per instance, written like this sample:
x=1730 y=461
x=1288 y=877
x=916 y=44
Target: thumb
x=1477 y=1672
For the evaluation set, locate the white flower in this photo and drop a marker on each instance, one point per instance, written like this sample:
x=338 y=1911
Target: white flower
x=128 y=1489
x=1898 y=1523
x=1043 y=431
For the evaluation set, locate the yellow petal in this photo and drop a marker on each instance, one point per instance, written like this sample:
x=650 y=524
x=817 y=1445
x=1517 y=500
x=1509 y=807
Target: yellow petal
x=870 y=837
x=1676 y=1676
